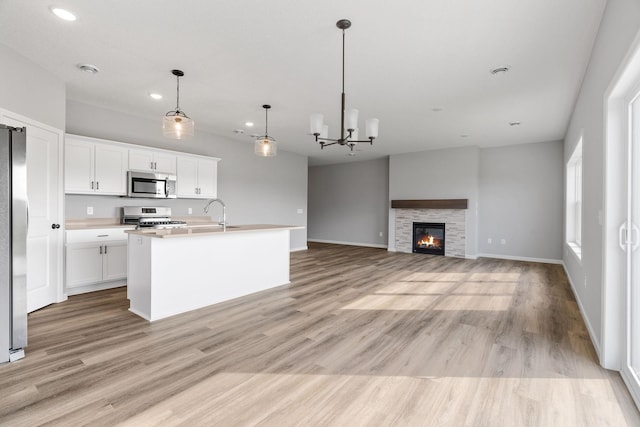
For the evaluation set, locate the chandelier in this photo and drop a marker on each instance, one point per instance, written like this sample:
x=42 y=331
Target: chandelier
x=176 y=124
x=348 y=119
x=266 y=146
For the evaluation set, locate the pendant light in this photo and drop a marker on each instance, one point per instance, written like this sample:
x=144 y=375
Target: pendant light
x=176 y=124
x=348 y=132
x=266 y=146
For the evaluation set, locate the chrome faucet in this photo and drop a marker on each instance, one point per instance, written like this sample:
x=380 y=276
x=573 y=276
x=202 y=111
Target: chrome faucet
x=224 y=212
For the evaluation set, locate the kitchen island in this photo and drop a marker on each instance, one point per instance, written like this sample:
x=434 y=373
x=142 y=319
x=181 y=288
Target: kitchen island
x=172 y=271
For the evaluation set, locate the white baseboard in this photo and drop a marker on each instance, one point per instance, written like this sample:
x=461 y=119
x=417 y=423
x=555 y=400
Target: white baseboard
x=585 y=319
x=335 y=242
x=96 y=287
x=522 y=258
x=301 y=248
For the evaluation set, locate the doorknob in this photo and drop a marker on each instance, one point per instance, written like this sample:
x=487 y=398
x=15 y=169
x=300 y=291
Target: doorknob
x=55 y=226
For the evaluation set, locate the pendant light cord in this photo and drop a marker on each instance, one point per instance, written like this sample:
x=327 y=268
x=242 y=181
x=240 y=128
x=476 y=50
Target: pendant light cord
x=177 y=93
x=266 y=122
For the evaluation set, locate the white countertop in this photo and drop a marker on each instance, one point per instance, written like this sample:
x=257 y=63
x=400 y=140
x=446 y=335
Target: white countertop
x=208 y=229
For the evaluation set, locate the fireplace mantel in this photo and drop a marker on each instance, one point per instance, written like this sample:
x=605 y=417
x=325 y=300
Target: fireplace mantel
x=431 y=204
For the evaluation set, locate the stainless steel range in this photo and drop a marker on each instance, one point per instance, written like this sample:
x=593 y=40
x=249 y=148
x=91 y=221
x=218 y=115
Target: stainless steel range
x=150 y=217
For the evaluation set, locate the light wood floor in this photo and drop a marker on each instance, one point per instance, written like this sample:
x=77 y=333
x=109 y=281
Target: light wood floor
x=361 y=337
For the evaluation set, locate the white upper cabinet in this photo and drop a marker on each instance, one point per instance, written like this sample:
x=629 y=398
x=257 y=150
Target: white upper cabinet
x=197 y=177
x=152 y=161
x=94 y=168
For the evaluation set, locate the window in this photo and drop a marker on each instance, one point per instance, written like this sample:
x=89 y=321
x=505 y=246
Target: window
x=574 y=200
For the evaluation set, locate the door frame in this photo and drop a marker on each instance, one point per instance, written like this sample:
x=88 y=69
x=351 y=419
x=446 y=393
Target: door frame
x=60 y=294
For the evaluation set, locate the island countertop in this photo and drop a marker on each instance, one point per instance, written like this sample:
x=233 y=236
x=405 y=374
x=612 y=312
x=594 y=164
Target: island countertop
x=208 y=229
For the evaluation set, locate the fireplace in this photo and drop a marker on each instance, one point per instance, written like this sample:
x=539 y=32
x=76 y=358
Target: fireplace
x=428 y=238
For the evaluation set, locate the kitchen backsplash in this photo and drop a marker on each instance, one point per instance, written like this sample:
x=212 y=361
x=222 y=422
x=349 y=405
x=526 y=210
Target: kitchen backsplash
x=109 y=206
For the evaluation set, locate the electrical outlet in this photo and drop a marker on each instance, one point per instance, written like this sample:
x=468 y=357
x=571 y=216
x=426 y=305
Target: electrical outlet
x=89 y=210
x=300 y=210
x=190 y=211
x=489 y=240
x=503 y=241
x=380 y=233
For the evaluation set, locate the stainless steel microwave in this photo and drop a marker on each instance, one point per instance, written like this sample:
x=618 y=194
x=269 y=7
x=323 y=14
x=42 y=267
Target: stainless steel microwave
x=151 y=185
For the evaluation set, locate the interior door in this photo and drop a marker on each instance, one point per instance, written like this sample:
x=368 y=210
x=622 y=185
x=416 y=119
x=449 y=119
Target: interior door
x=630 y=243
x=44 y=192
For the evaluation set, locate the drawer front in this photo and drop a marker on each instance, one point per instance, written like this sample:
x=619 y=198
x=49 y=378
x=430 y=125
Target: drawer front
x=97 y=235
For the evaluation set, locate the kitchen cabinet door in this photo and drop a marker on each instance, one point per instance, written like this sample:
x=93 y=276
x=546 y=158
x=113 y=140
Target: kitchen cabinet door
x=152 y=161
x=114 y=265
x=141 y=160
x=164 y=162
x=111 y=169
x=187 y=177
x=207 y=178
x=78 y=167
x=84 y=264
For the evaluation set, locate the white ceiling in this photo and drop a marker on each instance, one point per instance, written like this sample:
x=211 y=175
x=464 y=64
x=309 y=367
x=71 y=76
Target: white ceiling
x=405 y=58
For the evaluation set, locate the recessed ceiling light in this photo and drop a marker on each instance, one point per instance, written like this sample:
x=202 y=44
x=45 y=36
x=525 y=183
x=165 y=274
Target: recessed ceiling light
x=155 y=95
x=514 y=123
x=63 y=14
x=249 y=124
x=88 y=68
x=500 y=70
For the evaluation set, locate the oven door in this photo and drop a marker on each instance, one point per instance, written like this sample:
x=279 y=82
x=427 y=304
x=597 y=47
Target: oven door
x=148 y=185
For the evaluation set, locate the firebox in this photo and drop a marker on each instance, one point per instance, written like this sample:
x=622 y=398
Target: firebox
x=428 y=238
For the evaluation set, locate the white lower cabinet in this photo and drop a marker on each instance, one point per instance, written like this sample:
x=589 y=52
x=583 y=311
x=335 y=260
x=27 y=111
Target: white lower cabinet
x=95 y=259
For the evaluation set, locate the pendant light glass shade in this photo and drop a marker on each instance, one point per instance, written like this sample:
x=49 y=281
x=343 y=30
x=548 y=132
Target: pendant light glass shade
x=176 y=124
x=265 y=146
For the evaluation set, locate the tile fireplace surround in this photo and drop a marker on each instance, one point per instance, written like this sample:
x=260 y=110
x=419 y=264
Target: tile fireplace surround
x=455 y=229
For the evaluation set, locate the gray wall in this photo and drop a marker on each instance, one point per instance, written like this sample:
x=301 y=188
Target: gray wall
x=349 y=203
x=255 y=189
x=619 y=26
x=518 y=191
x=30 y=91
x=521 y=200
x=437 y=174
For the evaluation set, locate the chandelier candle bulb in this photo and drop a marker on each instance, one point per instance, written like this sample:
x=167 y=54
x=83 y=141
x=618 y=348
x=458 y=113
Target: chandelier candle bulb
x=351 y=120
x=316 y=123
x=372 y=128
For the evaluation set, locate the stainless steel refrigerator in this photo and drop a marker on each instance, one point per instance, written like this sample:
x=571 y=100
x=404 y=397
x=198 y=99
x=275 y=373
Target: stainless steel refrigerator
x=13 y=243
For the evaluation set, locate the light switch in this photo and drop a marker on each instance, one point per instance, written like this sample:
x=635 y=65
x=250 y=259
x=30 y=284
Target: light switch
x=300 y=210
x=89 y=210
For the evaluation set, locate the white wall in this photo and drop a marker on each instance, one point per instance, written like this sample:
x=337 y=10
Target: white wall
x=437 y=174
x=349 y=203
x=255 y=189
x=619 y=26
x=521 y=201
x=29 y=90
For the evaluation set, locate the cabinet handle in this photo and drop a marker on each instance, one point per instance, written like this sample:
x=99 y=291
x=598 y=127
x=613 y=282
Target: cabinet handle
x=105 y=249
x=97 y=185
x=155 y=165
x=150 y=165
x=100 y=249
x=92 y=185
